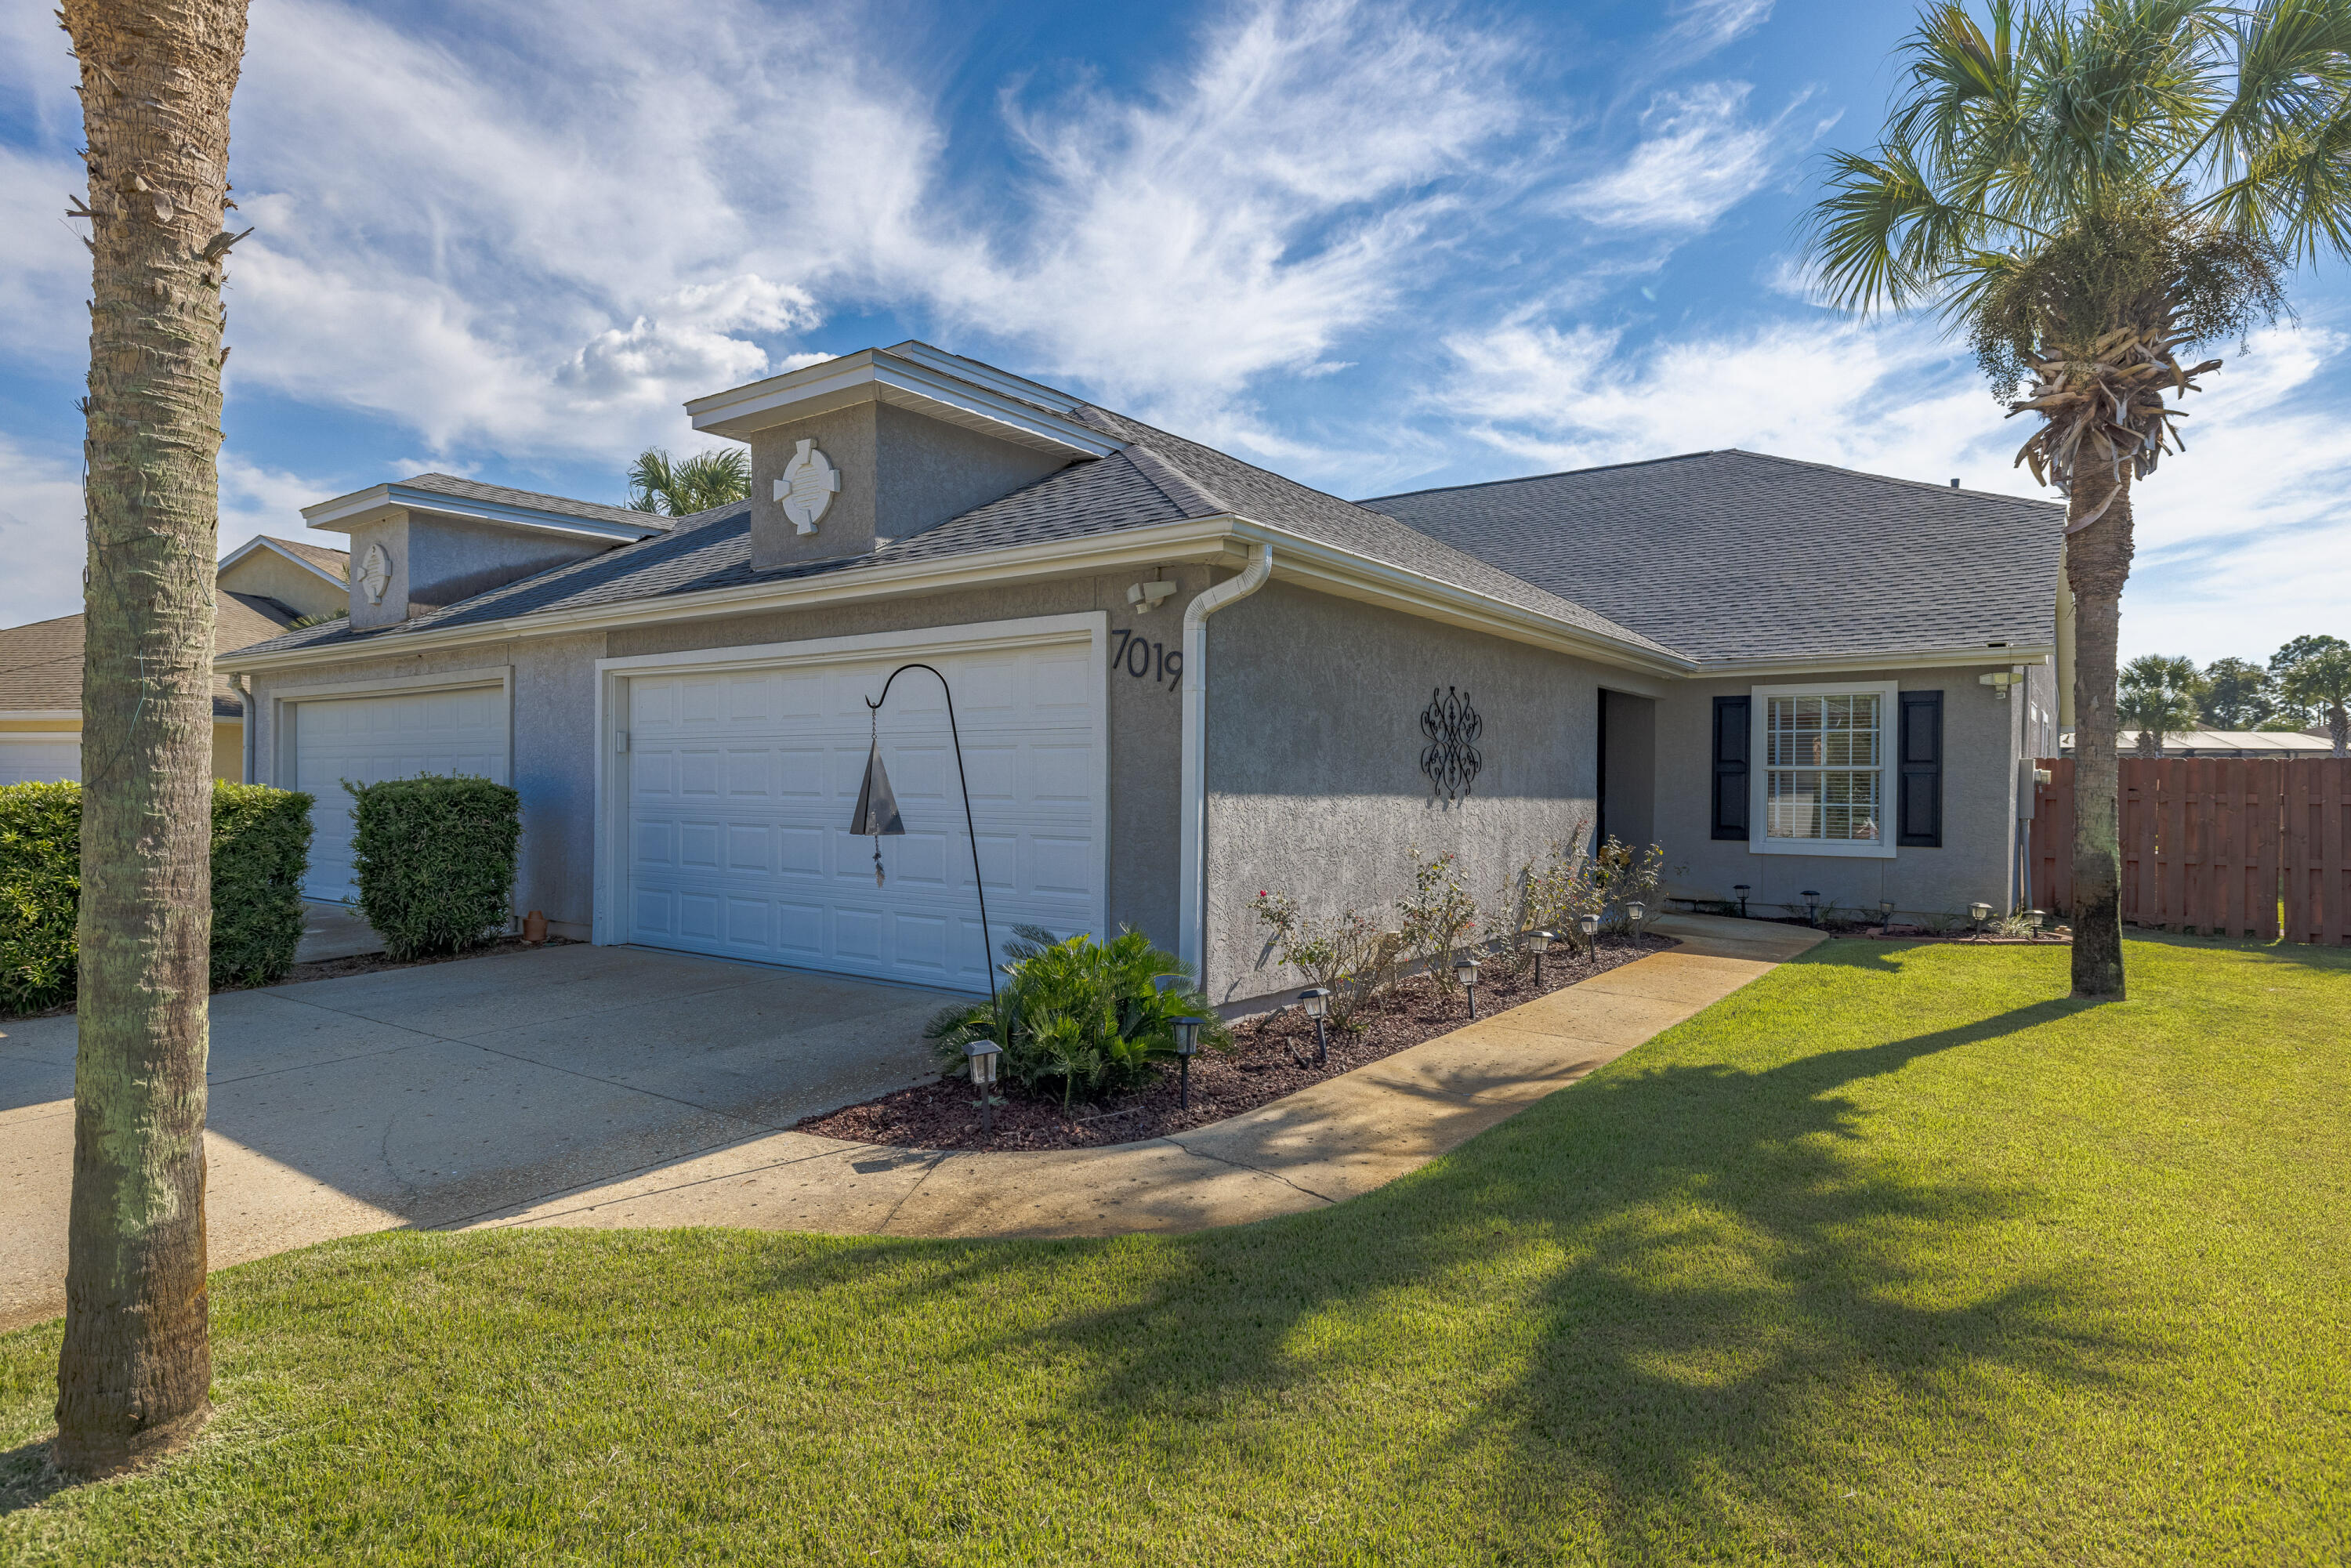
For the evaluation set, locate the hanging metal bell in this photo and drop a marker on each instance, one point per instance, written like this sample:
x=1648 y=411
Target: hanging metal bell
x=877 y=807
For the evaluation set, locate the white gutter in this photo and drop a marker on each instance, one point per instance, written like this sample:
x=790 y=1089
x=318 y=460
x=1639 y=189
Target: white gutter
x=1191 y=935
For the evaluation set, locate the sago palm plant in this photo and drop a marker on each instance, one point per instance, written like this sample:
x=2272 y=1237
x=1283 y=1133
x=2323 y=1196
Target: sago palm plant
x=2091 y=191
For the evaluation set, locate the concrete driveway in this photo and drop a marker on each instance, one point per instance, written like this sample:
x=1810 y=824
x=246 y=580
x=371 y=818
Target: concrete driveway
x=432 y=1096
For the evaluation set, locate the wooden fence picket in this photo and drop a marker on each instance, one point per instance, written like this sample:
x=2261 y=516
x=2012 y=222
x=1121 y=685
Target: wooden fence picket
x=2232 y=847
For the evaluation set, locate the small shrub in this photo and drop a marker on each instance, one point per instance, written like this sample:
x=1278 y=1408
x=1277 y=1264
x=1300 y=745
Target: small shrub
x=1078 y=1018
x=1437 y=915
x=40 y=895
x=261 y=845
x=434 y=861
x=1349 y=956
x=1566 y=888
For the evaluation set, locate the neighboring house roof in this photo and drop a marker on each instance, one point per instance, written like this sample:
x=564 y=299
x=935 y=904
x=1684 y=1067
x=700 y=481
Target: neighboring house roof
x=2224 y=742
x=334 y=565
x=40 y=664
x=1733 y=555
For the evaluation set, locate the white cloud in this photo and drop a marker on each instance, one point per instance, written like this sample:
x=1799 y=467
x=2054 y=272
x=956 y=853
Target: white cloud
x=1702 y=26
x=1698 y=156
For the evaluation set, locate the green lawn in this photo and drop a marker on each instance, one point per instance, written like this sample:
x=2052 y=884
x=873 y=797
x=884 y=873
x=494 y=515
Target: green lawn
x=1888 y=1259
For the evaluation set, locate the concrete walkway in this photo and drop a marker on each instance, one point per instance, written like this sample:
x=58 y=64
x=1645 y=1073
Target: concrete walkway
x=1342 y=1136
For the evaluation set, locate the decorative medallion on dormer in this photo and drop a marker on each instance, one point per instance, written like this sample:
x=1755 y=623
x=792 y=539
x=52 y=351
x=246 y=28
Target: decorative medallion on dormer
x=375 y=573
x=809 y=484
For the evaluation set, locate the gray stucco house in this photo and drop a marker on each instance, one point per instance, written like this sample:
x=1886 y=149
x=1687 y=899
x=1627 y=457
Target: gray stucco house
x=1177 y=679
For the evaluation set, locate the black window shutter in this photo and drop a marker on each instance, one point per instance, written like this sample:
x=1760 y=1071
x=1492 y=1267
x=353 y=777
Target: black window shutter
x=1921 y=802
x=1731 y=740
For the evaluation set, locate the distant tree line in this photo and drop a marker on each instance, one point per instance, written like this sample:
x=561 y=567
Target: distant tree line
x=2305 y=686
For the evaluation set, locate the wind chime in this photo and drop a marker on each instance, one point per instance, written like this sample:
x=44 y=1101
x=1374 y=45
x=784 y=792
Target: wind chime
x=877 y=806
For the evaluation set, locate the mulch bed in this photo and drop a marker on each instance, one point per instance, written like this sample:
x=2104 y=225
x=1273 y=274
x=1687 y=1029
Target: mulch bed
x=1272 y=1055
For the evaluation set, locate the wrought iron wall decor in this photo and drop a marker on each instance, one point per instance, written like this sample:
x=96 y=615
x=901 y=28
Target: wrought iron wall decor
x=1450 y=759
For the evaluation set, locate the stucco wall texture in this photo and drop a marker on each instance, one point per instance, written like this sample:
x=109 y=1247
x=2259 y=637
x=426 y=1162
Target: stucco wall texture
x=1315 y=788
x=1980 y=738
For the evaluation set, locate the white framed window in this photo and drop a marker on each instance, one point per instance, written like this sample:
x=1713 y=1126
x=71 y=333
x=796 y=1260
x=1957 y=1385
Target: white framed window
x=1824 y=776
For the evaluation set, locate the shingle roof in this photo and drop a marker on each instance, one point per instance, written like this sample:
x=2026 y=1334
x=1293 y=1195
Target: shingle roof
x=40 y=664
x=333 y=562
x=474 y=490
x=1734 y=555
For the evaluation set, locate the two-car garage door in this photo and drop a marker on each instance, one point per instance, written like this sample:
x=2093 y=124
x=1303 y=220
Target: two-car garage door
x=741 y=782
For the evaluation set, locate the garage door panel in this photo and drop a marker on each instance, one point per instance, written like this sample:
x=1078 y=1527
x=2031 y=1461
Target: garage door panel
x=772 y=850
x=38 y=759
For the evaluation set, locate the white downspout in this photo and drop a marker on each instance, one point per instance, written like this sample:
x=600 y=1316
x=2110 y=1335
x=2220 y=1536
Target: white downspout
x=1191 y=934
x=243 y=686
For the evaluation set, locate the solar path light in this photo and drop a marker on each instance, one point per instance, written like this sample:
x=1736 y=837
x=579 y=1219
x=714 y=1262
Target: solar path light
x=1464 y=969
x=1886 y=913
x=1980 y=912
x=1742 y=890
x=1590 y=925
x=982 y=1053
x=1187 y=1045
x=1539 y=943
x=1811 y=906
x=2035 y=919
x=1317 y=1003
x=1636 y=912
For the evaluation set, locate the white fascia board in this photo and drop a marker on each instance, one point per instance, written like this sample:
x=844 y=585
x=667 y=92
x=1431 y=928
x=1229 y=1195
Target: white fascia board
x=345 y=513
x=1837 y=664
x=988 y=376
x=874 y=374
x=1194 y=540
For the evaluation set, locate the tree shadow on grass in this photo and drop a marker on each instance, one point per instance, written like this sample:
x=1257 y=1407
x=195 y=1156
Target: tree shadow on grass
x=27 y=1480
x=1689 y=1280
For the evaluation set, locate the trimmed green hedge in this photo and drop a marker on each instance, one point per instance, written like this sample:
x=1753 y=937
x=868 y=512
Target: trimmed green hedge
x=261 y=843
x=40 y=894
x=434 y=861
x=261 y=846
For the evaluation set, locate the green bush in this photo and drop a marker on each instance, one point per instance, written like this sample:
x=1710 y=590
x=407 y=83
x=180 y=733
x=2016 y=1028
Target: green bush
x=40 y=894
x=434 y=861
x=261 y=843
x=1079 y=1018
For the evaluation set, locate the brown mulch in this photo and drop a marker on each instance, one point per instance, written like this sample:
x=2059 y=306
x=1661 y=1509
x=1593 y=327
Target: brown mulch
x=1272 y=1055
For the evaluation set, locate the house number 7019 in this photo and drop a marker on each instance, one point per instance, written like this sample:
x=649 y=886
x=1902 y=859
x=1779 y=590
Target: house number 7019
x=1147 y=661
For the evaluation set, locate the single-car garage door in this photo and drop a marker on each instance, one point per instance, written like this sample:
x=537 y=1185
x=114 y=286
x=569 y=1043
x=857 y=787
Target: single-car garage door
x=39 y=758
x=741 y=783
x=370 y=739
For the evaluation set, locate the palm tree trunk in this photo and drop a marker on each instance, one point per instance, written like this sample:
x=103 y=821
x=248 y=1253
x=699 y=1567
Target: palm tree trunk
x=134 y=1376
x=2097 y=565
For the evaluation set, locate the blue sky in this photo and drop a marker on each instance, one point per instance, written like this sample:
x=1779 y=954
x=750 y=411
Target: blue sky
x=1373 y=245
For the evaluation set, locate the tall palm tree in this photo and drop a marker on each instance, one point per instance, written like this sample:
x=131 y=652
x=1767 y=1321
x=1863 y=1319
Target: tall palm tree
x=134 y=1373
x=2157 y=697
x=2322 y=683
x=706 y=479
x=2090 y=189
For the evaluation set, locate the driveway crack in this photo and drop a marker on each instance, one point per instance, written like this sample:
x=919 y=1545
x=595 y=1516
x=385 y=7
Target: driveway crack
x=1245 y=1165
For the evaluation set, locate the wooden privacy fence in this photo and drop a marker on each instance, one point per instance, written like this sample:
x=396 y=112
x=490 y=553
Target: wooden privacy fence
x=2215 y=845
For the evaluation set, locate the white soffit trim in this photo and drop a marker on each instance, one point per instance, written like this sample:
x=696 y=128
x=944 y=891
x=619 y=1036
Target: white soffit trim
x=1976 y=656
x=344 y=513
x=876 y=375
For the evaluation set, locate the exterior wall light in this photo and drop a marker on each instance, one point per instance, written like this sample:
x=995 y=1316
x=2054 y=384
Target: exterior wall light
x=1187 y=1045
x=1811 y=906
x=1464 y=969
x=981 y=1054
x=1539 y=943
x=1742 y=890
x=1980 y=912
x=1317 y=1003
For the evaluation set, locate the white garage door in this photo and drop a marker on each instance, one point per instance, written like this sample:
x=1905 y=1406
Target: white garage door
x=370 y=739
x=39 y=758
x=742 y=783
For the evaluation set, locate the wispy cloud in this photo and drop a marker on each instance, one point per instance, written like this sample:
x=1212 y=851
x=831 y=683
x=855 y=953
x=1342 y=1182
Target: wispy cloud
x=1698 y=156
x=1702 y=27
